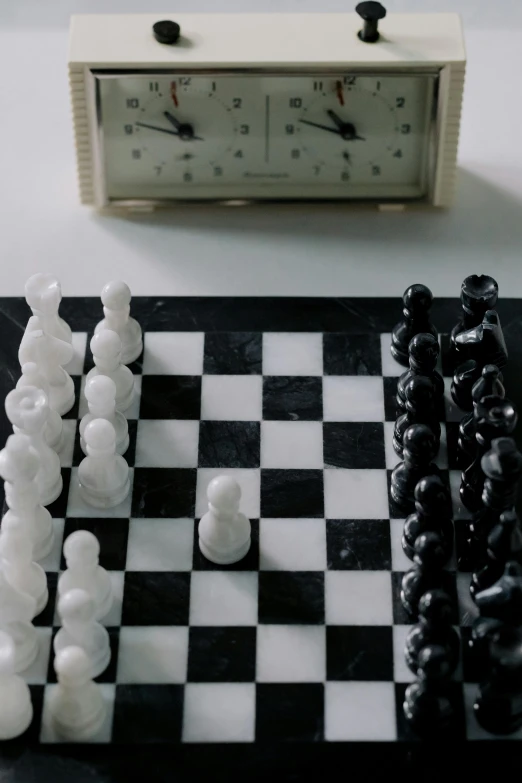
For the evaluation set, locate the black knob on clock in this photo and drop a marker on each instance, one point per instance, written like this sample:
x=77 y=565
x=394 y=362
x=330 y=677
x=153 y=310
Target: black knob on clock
x=167 y=32
x=371 y=12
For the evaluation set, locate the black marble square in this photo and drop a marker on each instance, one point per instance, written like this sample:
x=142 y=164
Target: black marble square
x=448 y=583
x=46 y=617
x=390 y=398
x=447 y=357
x=358 y=544
x=233 y=353
x=148 y=713
x=353 y=445
x=292 y=493
x=222 y=654
x=351 y=354
x=452 y=437
x=170 y=397
x=164 y=492
x=290 y=712
x=292 y=398
x=359 y=652
x=109 y=675
x=73 y=413
x=229 y=444
x=287 y=597
x=249 y=563
x=112 y=533
x=455 y=731
x=466 y=559
x=58 y=509
x=156 y=598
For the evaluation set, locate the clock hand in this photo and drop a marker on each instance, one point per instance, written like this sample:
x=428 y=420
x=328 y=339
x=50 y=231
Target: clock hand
x=183 y=136
x=335 y=117
x=347 y=129
x=173 y=121
x=347 y=132
x=322 y=127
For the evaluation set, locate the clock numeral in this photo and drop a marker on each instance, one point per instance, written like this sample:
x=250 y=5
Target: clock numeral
x=185 y=81
x=397 y=154
x=289 y=129
x=237 y=102
x=158 y=170
x=350 y=80
x=218 y=171
x=154 y=86
x=345 y=176
x=129 y=129
x=187 y=176
x=376 y=171
x=296 y=153
x=405 y=129
x=133 y=103
x=244 y=130
x=136 y=154
x=399 y=102
x=238 y=154
x=318 y=86
x=295 y=103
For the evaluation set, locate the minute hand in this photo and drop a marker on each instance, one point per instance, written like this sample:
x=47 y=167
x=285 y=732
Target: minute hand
x=322 y=127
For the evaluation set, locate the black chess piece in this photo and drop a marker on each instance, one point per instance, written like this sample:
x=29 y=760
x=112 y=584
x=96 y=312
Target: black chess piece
x=494 y=418
x=427 y=704
x=417 y=301
x=489 y=383
x=464 y=379
x=423 y=353
x=433 y=627
x=478 y=293
x=484 y=343
x=419 y=449
x=432 y=514
x=504 y=544
x=498 y=605
x=502 y=468
x=426 y=573
x=421 y=408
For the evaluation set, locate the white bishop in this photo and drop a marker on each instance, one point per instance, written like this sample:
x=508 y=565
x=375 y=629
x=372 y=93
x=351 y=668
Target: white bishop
x=224 y=533
x=116 y=297
x=81 y=551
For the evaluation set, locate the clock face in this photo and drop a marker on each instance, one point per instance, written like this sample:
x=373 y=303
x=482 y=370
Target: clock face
x=231 y=136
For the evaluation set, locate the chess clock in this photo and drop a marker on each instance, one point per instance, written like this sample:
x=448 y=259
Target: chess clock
x=362 y=107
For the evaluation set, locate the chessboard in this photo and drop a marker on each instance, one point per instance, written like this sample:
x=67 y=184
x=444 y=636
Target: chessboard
x=299 y=645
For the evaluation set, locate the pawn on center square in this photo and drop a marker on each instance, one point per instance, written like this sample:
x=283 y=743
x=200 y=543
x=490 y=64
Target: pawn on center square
x=103 y=474
x=224 y=532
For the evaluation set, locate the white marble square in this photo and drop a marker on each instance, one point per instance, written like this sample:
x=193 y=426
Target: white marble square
x=36 y=674
x=292 y=444
x=173 y=353
x=79 y=344
x=401 y=672
x=160 y=544
x=353 y=398
x=392 y=458
x=232 y=397
x=153 y=654
x=52 y=561
x=48 y=732
x=132 y=412
x=291 y=653
x=171 y=443
x=292 y=353
x=355 y=494
x=219 y=712
x=360 y=711
x=249 y=479
x=292 y=544
x=358 y=598
x=77 y=507
x=68 y=437
x=113 y=617
x=390 y=368
x=223 y=598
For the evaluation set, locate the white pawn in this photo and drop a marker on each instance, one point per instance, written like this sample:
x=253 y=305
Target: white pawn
x=31 y=376
x=16 y=551
x=28 y=410
x=106 y=351
x=43 y=294
x=16 y=713
x=81 y=550
x=103 y=474
x=19 y=464
x=100 y=393
x=16 y=612
x=224 y=532
x=76 y=704
x=79 y=628
x=50 y=354
x=116 y=297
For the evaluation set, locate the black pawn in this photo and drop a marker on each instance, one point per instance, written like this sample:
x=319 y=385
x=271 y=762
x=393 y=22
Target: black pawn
x=433 y=627
x=484 y=343
x=427 y=704
x=504 y=544
x=490 y=383
x=464 y=379
x=417 y=303
x=421 y=408
x=423 y=352
x=494 y=418
x=432 y=515
x=426 y=574
x=419 y=449
x=478 y=293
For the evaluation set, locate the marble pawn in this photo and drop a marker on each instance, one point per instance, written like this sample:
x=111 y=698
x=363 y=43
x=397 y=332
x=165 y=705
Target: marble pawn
x=224 y=532
x=489 y=383
x=76 y=705
x=103 y=474
x=419 y=448
x=16 y=713
x=16 y=553
x=80 y=628
x=100 y=393
x=417 y=301
x=17 y=609
x=432 y=515
x=421 y=408
x=81 y=551
x=116 y=298
x=423 y=355
x=106 y=351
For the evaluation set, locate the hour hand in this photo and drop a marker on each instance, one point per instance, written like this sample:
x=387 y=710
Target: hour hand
x=335 y=117
x=173 y=121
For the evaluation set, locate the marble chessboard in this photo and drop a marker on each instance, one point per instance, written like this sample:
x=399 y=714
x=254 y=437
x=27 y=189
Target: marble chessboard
x=299 y=645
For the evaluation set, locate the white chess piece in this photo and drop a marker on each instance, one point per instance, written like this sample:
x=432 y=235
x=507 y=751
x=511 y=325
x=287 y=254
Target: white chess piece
x=19 y=464
x=28 y=410
x=16 y=712
x=116 y=297
x=103 y=474
x=81 y=550
x=106 y=351
x=224 y=532
x=100 y=393
x=31 y=376
x=16 y=612
x=16 y=552
x=43 y=294
x=50 y=354
x=76 y=704
x=79 y=627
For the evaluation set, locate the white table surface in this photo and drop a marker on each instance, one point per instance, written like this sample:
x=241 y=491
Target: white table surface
x=297 y=250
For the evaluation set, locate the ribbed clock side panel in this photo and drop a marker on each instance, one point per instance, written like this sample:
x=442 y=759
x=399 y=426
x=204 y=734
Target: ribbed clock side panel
x=82 y=133
x=452 y=89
